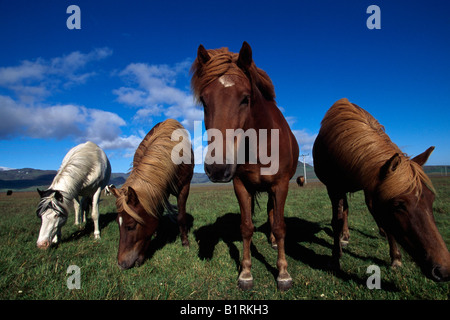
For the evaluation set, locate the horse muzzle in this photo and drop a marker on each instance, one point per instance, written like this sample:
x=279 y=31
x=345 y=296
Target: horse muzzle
x=220 y=172
x=43 y=244
x=440 y=274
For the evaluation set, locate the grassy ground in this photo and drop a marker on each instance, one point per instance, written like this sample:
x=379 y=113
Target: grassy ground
x=209 y=269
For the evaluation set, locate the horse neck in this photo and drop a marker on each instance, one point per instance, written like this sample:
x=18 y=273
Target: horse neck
x=65 y=185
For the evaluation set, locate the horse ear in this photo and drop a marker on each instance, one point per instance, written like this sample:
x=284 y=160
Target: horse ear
x=41 y=193
x=59 y=196
x=202 y=55
x=423 y=157
x=114 y=191
x=132 y=197
x=245 y=56
x=390 y=166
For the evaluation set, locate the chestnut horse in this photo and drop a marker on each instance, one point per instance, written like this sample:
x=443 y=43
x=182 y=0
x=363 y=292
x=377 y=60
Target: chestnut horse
x=141 y=200
x=300 y=181
x=239 y=97
x=352 y=152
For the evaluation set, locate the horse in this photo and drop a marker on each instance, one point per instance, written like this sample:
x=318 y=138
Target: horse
x=352 y=152
x=85 y=171
x=300 y=181
x=107 y=189
x=154 y=176
x=238 y=100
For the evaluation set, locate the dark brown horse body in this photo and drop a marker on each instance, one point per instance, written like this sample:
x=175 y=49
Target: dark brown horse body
x=141 y=200
x=352 y=152
x=237 y=95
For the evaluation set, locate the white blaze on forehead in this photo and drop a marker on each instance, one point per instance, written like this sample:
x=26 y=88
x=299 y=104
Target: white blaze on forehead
x=120 y=221
x=226 y=81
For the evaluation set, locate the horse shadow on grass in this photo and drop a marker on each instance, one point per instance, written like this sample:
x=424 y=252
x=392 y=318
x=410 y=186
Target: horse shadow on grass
x=227 y=229
x=167 y=232
x=298 y=232
x=88 y=229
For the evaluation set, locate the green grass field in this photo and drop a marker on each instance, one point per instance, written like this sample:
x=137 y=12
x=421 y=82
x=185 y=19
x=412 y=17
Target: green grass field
x=209 y=268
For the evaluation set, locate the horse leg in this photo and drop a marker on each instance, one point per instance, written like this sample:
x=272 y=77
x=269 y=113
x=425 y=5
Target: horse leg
x=337 y=223
x=181 y=219
x=245 y=202
x=345 y=232
x=273 y=242
x=279 y=194
x=95 y=213
x=396 y=256
x=77 y=208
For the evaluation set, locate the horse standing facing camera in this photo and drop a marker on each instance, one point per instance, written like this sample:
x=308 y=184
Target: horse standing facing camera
x=239 y=98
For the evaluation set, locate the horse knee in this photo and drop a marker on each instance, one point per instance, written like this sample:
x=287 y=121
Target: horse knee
x=247 y=230
x=279 y=230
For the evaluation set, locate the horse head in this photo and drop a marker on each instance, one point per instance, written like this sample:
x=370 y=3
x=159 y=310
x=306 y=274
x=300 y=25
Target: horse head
x=136 y=227
x=53 y=213
x=408 y=215
x=227 y=85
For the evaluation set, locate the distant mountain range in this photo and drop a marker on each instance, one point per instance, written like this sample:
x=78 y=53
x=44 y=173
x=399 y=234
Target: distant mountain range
x=30 y=179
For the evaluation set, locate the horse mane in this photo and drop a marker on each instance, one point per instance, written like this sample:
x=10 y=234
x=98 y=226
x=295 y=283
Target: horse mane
x=225 y=62
x=76 y=166
x=359 y=143
x=153 y=174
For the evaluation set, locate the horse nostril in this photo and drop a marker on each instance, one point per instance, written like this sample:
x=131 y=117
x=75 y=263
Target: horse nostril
x=44 y=244
x=439 y=274
x=123 y=265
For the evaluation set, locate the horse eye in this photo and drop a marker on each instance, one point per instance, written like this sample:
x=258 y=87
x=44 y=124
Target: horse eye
x=245 y=101
x=399 y=205
x=130 y=228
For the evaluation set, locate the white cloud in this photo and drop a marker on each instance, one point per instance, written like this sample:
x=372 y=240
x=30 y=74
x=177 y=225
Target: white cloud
x=152 y=88
x=305 y=141
x=62 y=121
x=34 y=80
x=26 y=70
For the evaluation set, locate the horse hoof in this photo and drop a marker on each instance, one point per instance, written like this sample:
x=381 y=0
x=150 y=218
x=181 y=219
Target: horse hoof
x=274 y=246
x=245 y=281
x=245 y=284
x=344 y=243
x=284 y=285
x=396 y=263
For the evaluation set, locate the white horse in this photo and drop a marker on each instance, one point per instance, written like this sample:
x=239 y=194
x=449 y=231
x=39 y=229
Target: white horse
x=84 y=172
x=108 y=189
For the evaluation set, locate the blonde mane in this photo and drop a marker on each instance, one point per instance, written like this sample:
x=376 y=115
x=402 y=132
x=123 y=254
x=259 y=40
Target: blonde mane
x=154 y=174
x=225 y=62
x=359 y=143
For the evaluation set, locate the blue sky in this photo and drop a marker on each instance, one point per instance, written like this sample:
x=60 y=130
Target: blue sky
x=127 y=69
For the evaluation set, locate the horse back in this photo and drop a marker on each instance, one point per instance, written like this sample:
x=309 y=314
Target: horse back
x=84 y=169
x=350 y=148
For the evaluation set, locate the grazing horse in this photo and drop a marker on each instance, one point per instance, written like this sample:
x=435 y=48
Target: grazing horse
x=84 y=172
x=300 y=181
x=144 y=195
x=107 y=189
x=352 y=152
x=239 y=103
